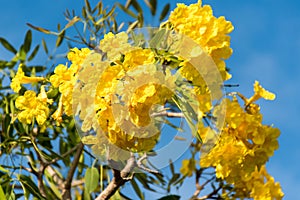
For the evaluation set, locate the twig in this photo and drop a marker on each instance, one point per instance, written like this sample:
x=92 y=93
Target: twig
x=63 y=155
x=143 y=167
x=66 y=193
x=168 y=114
x=210 y=195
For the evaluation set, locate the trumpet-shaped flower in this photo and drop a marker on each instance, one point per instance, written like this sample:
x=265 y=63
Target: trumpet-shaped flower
x=20 y=78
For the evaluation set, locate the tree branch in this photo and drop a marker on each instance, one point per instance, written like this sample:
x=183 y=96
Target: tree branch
x=66 y=193
x=119 y=179
x=168 y=114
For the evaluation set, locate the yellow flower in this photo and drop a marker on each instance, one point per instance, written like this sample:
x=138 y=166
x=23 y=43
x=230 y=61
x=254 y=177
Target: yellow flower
x=32 y=107
x=64 y=78
x=263 y=186
x=20 y=78
x=211 y=33
x=244 y=144
x=188 y=167
x=115 y=45
x=57 y=115
x=260 y=92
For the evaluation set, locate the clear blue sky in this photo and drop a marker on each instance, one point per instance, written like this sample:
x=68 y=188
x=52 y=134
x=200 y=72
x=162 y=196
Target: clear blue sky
x=266 y=44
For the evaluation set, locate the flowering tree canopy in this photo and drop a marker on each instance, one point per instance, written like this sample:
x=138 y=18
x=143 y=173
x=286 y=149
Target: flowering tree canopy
x=129 y=101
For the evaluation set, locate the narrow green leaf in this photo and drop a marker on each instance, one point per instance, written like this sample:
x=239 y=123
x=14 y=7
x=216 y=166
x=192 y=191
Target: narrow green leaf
x=153 y=6
x=83 y=12
x=27 y=41
x=22 y=53
x=91 y=178
x=58 y=27
x=127 y=11
x=132 y=26
x=38 y=28
x=170 y=197
x=136 y=6
x=30 y=186
x=2 y=195
x=172 y=167
x=7 y=45
x=34 y=52
x=137 y=189
x=188 y=113
x=164 y=12
x=110 y=12
x=99 y=7
x=60 y=38
x=88 y=5
x=45 y=46
x=52 y=184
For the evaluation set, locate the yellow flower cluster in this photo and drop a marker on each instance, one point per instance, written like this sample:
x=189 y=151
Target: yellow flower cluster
x=33 y=106
x=20 y=78
x=115 y=45
x=211 y=33
x=64 y=78
x=245 y=144
x=122 y=130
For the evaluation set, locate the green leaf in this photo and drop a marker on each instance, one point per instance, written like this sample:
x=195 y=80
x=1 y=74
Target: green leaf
x=164 y=12
x=22 y=53
x=60 y=38
x=110 y=12
x=38 y=28
x=172 y=167
x=30 y=186
x=45 y=46
x=170 y=197
x=2 y=195
x=154 y=6
x=34 y=52
x=7 y=45
x=127 y=11
x=88 y=5
x=91 y=178
x=136 y=6
x=137 y=189
x=157 y=39
x=27 y=41
x=188 y=113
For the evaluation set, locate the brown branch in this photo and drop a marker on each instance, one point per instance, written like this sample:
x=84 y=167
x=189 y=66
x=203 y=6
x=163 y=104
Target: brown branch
x=200 y=187
x=66 y=193
x=168 y=114
x=210 y=195
x=143 y=167
x=63 y=155
x=119 y=179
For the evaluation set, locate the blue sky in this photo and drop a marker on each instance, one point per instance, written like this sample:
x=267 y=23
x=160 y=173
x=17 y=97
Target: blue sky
x=266 y=44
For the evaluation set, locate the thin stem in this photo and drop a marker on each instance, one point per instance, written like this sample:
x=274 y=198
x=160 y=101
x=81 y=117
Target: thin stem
x=66 y=194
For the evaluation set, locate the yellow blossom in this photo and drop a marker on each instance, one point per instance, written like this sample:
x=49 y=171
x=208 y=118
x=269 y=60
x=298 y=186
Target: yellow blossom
x=20 y=78
x=32 y=107
x=57 y=115
x=211 y=33
x=64 y=78
x=244 y=144
x=115 y=45
x=188 y=167
x=260 y=92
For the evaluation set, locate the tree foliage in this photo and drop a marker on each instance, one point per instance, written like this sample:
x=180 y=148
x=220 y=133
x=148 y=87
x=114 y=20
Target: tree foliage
x=92 y=124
